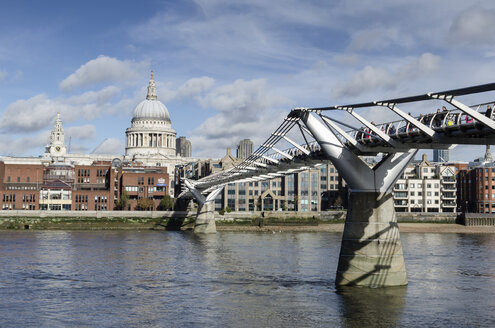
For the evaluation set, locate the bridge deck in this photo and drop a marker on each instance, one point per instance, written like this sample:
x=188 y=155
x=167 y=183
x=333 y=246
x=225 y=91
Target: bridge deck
x=461 y=124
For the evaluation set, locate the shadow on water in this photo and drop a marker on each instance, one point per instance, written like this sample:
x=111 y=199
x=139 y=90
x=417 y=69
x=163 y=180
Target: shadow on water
x=179 y=215
x=372 y=307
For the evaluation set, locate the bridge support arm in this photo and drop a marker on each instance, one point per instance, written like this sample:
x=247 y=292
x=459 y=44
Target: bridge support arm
x=356 y=173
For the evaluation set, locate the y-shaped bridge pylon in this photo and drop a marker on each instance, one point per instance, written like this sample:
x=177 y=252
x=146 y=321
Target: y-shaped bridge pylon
x=371 y=251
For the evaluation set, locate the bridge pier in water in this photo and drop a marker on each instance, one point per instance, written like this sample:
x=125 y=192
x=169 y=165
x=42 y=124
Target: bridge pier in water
x=371 y=251
x=205 y=219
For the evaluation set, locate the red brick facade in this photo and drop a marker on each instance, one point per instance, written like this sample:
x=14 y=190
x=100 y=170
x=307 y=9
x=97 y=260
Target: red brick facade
x=476 y=190
x=78 y=187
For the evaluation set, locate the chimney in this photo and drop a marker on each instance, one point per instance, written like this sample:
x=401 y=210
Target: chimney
x=424 y=157
x=228 y=151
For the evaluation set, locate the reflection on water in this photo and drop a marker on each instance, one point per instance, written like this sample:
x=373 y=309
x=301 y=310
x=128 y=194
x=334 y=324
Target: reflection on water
x=373 y=307
x=234 y=279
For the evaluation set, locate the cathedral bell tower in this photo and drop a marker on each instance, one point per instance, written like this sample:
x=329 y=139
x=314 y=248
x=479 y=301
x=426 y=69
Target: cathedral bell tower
x=56 y=147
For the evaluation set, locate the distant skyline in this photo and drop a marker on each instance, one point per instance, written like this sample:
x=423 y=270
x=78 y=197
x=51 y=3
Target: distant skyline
x=226 y=70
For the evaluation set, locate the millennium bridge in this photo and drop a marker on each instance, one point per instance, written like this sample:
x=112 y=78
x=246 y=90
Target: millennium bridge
x=371 y=252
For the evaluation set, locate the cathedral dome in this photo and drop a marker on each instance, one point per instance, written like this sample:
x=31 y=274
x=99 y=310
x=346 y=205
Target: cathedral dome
x=151 y=107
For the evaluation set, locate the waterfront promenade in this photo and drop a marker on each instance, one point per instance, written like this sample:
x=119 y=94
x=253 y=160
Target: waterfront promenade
x=234 y=221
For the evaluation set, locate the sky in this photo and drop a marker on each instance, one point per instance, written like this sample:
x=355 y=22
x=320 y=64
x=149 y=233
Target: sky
x=227 y=70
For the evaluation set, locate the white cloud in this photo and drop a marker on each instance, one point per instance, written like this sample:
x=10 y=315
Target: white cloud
x=195 y=86
x=39 y=112
x=190 y=89
x=377 y=38
x=474 y=26
x=369 y=78
x=103 y=69
x=426 y=64
x=22 y=146
x=109 y=146
x=247 y=109
x=262 y=33
x=243 y=98
x=3 y=74
x=372 y=78
x=83 y=132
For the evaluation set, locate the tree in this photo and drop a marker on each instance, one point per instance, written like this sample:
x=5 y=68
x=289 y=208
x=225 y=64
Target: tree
x=296 y=203
x=144 y=204
x=122 y=201
x=166 y=204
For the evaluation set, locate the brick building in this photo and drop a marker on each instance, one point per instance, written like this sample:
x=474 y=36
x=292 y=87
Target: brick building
x=477 y=189
x=143 y=182
x=61 y=186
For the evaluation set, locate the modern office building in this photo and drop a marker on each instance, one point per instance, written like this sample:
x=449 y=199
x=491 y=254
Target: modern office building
x=316 y=189
x=244 y=149
x=441 y=155
x=183 y=147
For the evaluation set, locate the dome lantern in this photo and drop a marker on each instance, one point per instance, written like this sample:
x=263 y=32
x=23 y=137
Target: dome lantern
x=151 y=89
x=151 y=107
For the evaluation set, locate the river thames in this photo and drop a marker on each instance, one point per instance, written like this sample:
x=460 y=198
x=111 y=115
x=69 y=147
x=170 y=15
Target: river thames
x=235 y=279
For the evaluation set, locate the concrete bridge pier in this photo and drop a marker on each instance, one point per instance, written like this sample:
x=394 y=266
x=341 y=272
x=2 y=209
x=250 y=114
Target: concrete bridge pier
x=205 y=217
x=371 y=251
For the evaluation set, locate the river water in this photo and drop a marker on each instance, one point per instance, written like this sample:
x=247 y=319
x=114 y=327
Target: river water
x=235 y=279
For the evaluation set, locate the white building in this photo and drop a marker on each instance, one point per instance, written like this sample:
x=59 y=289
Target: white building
x=426 y=187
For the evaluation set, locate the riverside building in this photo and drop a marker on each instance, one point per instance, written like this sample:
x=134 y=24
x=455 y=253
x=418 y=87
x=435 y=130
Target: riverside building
x=59 y=180
x=476 y=183
x=426 y=187
x=314 y=189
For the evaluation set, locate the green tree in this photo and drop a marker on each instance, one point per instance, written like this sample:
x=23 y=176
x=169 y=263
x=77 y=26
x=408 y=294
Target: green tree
x=166 y=204
x=144 y=204
x=122 y=201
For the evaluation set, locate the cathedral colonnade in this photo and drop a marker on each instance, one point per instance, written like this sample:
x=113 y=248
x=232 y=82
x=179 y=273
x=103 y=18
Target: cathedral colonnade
x=150 y=140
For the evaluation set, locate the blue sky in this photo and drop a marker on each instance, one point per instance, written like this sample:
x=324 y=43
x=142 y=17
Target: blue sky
x=226 y=70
